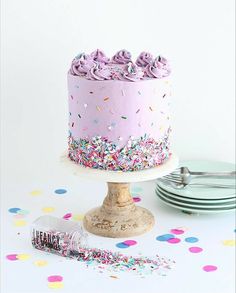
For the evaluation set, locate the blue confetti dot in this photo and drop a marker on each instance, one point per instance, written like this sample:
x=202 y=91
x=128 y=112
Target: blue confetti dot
x=14 y=210
x=191 y=239
x=60 y=191
x=165 y=237
x=122 y=245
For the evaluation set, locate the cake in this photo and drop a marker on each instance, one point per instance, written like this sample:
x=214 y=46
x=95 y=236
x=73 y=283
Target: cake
x=119 y=111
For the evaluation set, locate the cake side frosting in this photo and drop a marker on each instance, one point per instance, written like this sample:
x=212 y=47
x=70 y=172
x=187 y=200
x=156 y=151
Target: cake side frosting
x=118 y=123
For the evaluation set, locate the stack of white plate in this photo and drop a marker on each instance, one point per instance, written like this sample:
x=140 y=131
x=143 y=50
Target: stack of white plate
x=201 y=199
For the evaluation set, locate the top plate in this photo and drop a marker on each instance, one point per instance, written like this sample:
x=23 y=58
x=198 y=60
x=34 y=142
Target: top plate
x=203 y=192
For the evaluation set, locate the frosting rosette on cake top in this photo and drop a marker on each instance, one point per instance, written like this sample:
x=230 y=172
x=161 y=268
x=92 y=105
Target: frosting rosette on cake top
x=144 y=59
x=122 y=57
x=158 y=68
x=97 y=66
x=133 y=72
x=99 y=56
x=81 y=64
x=99 y=72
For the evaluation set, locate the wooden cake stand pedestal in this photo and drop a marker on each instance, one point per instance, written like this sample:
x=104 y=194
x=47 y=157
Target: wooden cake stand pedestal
x=119 y=216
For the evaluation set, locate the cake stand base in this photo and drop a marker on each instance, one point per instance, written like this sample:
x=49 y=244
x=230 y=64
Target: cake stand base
x=118 y=216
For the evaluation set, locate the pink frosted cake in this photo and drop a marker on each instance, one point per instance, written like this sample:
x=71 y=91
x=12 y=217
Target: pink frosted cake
x=119 y=111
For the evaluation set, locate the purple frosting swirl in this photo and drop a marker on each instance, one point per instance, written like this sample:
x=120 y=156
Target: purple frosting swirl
x=81 y=65
x=99 y=56
x=122 y=57
x=99 y=72
x=144 y=59
x=158 y=68
x=132 y=72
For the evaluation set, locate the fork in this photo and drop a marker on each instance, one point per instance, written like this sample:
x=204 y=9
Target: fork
x=183 y=176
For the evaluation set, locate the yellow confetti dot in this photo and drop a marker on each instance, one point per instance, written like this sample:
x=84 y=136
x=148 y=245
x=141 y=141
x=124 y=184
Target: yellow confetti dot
x=48 y=209
x=20 y=223
x=23 y=256
x=55 y=285
x=231 y=242
x=40 y=263
x=78 y=217
x=35 y=192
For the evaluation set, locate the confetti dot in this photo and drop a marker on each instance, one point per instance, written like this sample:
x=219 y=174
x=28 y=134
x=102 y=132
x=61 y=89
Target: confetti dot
x=36 y=192
x=91 y=92
x=40 y=263
x=79 y=217
x=55 y=278
x=79 y=116
x=98 y=108
x=176 y=231
x=191 y=239
x=60 y=191
x=165 y=237
x=106 y=99
x=137 y=111
x=173 y=240
x=130 y=242
x=139 y=92
x=122 y=245
x=55 y=285
x=20 y=223
x=209 y=268
x=13 y=210
x=164 y=96
x=23 y=212
x=23 y=256
x=72 y=124
x=72 y=97
x=150 y=108
x=195 y=249
x=48 y=209
x=136 y=199
x=67 y=216
x=230 y=242
x=12 y=257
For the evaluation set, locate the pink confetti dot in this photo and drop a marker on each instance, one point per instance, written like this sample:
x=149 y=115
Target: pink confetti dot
x=67 y=216
x=55 y=278
x=12 y=257
x=195 y=249
x=177 y=231
x=130 y=242
x=174 y=240
x=136 y=199
x=209 y=268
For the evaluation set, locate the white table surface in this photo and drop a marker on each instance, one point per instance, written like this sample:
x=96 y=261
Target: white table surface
x=186 y=276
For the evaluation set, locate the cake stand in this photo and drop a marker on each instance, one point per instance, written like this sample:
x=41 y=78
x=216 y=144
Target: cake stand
x=119 y=216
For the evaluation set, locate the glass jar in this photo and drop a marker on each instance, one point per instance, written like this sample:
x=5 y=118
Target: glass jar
x=58 y=236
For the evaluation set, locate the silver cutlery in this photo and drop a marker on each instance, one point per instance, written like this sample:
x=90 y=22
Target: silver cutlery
x=179 y=185
x=183 y=176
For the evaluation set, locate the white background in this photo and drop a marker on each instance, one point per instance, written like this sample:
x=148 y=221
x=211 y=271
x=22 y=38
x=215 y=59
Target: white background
x=40 y=38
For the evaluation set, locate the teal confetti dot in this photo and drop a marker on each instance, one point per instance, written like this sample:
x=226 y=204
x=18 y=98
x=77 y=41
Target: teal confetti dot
x=60 y=191
x=165 y=237
x=191 y=239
